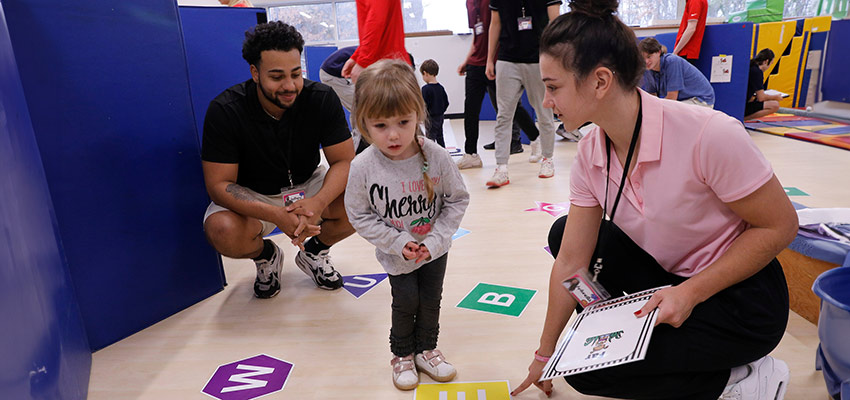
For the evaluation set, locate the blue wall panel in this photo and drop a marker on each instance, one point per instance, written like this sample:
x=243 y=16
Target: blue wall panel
x=107 y=89
x=735 y=40
x=835 y=84
x=213 y=39
x=43 y=349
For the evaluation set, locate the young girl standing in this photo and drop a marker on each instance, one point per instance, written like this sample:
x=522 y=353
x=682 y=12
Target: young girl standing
x=405 y=196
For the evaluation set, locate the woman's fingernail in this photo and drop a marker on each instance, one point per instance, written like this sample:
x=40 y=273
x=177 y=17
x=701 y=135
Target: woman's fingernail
x=637 y=313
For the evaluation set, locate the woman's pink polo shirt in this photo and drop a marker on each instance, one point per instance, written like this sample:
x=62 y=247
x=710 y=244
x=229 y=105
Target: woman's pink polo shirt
x=691 y=161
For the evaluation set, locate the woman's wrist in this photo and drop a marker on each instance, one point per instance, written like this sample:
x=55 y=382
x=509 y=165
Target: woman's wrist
x=540 y=357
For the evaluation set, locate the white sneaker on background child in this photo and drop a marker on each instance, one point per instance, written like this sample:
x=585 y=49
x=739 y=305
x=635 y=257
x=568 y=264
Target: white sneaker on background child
x=404 y=373
x=547 y=168
x=767 y=380
x=500 y=177
x=536 y=152
x=469 y=161
x=433 y=364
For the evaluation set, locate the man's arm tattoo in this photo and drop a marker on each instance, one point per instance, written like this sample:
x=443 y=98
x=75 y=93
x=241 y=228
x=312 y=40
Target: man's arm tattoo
x=241 y=193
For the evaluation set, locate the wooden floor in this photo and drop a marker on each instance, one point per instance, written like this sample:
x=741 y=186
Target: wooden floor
x=339 y=344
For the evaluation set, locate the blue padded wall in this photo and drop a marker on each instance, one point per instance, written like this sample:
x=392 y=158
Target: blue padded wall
x=43 y=349
x=835 y=85
x=107 y=89
x=213 y=39
x=730 y=39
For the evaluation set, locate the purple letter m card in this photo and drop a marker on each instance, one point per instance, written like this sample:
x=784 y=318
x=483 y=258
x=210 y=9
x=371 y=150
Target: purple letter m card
x=249 y=378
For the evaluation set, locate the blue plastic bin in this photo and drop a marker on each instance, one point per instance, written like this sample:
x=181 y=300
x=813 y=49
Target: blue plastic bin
x=833 y=355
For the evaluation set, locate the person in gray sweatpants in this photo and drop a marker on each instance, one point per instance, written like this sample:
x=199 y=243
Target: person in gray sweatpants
x=513 y=61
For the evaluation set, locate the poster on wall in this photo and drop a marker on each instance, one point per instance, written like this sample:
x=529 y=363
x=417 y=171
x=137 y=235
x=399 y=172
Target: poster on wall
x=721 y=69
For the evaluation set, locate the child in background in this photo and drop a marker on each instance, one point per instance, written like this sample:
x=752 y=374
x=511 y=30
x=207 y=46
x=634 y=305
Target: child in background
x=436 y=100
x=406 y=197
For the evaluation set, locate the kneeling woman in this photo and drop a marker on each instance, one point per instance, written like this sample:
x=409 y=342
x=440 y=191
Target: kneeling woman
x=690 y=195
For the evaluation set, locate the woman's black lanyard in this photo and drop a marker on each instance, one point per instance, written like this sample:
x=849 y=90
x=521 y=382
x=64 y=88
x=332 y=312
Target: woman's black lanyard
x=597 y=266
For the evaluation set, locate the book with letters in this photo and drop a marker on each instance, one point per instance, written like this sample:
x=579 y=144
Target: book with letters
x=605 y=334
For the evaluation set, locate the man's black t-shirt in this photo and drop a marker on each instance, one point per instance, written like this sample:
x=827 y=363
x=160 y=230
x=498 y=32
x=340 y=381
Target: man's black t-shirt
x=755 y=81
x=238 y=131
x=518 y=46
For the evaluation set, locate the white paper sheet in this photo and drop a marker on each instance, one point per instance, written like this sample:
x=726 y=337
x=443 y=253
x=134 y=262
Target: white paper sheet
x=775 y=92
x=604 y=335
x=721 y=69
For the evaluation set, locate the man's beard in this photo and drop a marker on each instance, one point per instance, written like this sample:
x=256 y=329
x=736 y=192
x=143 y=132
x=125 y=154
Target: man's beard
x=273 y=98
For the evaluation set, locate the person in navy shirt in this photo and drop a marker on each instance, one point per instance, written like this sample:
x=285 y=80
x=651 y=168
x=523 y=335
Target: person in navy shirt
x=760 y=103
x=672 y=77
x=436 y=100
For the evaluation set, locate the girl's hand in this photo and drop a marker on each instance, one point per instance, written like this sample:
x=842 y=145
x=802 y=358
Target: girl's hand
x=674 y=306
x=410 y=250
x=422 y=254
x=535 y=371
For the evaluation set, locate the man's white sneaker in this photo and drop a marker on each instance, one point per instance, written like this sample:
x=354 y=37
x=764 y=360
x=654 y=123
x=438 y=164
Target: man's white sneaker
x=536 y=152
x=433 y=364
x=404 y=373
x=500 y=177
x=469 y=161
x=267 y=283
x=767 y=380
x=320 y=268
x=547 y=168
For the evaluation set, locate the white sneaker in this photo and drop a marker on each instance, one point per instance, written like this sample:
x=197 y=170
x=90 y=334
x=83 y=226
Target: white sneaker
x=267 y=282
x=536 y=152
x=320 y=268
x=767 y=380
x=469 y=161
x=547 y=168
x=404 y=373
x=500 y=177
x=571 y=136
x=433 y=364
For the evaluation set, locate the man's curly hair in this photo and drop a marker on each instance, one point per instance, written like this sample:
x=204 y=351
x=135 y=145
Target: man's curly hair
x=273 y=35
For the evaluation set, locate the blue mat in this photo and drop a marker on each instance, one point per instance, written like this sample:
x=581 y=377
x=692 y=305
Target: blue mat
x=824 y=250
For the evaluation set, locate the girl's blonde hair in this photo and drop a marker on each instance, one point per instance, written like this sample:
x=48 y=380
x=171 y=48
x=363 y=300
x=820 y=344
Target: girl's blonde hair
x=386 y=89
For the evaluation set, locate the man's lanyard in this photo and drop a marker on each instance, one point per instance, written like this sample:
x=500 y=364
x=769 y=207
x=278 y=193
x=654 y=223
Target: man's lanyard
x=597 y=266
x=287 y=152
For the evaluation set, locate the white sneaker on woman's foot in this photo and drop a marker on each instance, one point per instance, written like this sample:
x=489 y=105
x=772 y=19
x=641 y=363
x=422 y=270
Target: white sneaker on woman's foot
x=404 y=373
x=536 y=152
x=767 y=380
x=433 y=364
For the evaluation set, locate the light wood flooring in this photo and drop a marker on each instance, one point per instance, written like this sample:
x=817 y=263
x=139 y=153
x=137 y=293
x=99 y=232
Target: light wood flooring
x=339 y=344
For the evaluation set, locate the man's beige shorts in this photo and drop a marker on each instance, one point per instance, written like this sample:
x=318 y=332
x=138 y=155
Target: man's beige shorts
x=311 y=188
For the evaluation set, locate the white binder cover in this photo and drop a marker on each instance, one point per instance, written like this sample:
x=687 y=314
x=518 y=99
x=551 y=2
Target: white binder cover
x=604 y=335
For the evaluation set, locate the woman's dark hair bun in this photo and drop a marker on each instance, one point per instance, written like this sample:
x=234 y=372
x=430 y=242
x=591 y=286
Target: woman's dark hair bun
x=594 y=8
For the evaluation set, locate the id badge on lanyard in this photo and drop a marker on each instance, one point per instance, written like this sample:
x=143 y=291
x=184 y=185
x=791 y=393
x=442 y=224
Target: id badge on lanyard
x=291 y=194
x=585 y=289
x=524 y=23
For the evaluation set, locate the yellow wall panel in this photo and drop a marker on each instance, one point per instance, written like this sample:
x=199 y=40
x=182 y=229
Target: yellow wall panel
x=785 y=80
x=775 y=36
